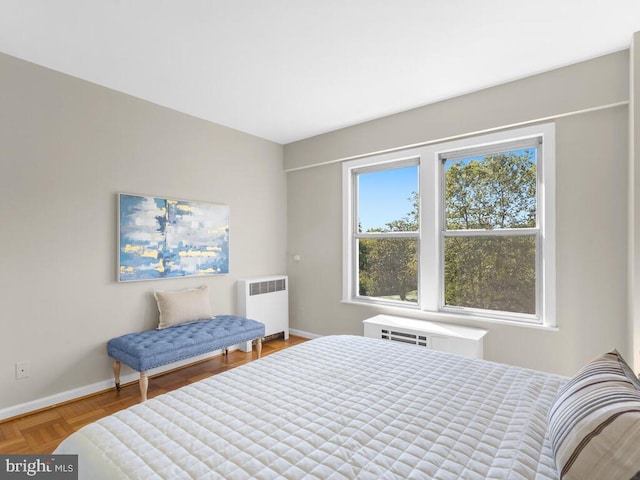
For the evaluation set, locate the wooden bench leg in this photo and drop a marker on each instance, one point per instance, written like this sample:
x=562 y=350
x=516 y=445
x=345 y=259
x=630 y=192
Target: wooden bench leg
x=144 y=384
x=116 y=374
x=259 y=347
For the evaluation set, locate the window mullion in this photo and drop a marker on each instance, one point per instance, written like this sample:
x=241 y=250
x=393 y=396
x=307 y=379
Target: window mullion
x=429 y=232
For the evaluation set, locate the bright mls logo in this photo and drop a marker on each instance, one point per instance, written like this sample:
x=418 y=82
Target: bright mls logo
x=49 y=467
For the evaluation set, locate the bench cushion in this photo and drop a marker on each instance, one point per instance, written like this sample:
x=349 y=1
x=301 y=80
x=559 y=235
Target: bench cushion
x=154 y=348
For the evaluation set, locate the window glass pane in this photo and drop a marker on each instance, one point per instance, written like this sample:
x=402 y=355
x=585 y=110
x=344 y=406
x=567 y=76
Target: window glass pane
x=491 y=191
x=388 y=268
x=491 y=273
x=388 y=200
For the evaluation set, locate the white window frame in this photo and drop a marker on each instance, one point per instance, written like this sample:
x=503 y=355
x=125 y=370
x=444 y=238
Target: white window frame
x=355 y=236
x=431 y=256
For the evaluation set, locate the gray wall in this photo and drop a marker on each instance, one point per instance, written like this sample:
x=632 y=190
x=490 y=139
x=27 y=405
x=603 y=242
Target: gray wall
x=67 y=147
x=589 y=103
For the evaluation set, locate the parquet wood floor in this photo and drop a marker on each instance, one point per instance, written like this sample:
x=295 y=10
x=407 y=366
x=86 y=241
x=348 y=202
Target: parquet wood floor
x=42 y=431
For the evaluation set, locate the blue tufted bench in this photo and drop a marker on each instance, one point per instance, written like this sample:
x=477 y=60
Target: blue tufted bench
x=154 y=348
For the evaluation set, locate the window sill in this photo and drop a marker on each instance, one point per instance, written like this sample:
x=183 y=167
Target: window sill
x=472 y=320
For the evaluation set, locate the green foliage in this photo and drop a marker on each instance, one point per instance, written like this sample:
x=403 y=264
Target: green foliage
x=498 y=191
x=491 y=273
x=389 y=266
x=484 y=272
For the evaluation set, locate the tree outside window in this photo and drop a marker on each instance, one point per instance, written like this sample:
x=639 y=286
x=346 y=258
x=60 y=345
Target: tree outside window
x=490 y=235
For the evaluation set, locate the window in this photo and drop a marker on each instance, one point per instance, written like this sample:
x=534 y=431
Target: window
x=458 y=228
x=386 y=234
x=490 y=232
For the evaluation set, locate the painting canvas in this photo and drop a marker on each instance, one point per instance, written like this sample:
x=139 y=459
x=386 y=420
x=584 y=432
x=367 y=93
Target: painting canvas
x=165 y=238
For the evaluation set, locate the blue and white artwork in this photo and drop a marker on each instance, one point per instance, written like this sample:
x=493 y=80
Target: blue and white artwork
x=164 y=238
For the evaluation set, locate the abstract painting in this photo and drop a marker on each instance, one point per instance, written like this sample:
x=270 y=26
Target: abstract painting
x=165 y=238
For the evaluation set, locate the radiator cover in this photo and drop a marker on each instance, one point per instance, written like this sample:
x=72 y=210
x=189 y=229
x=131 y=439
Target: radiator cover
x=266 y=299
x=466 y=341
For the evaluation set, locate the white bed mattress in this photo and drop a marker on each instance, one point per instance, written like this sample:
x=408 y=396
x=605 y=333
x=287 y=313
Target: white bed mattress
x=337 y=407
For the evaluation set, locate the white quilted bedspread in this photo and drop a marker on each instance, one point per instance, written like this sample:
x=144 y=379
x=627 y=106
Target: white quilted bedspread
x=334 y=408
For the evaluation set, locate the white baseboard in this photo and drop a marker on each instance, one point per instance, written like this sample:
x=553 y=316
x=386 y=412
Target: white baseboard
x=32 y=406
x=22 y=408
x=303 y=334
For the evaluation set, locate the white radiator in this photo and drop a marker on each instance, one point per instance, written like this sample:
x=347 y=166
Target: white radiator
x=266 y=299
x=467 y=341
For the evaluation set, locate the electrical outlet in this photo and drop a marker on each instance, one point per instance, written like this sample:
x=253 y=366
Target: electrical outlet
x=22 y=370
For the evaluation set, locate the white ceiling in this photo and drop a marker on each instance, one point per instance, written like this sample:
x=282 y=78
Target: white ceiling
x=290 y=69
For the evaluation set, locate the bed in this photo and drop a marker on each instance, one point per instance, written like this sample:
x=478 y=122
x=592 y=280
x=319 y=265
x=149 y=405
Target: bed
x=338 y=407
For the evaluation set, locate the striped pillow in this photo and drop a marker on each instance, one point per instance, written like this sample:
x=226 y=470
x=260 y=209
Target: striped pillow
x=594 y=422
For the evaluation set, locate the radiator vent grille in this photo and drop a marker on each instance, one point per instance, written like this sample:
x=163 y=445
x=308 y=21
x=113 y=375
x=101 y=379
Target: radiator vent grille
x=406 y=337
x=270 y=286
